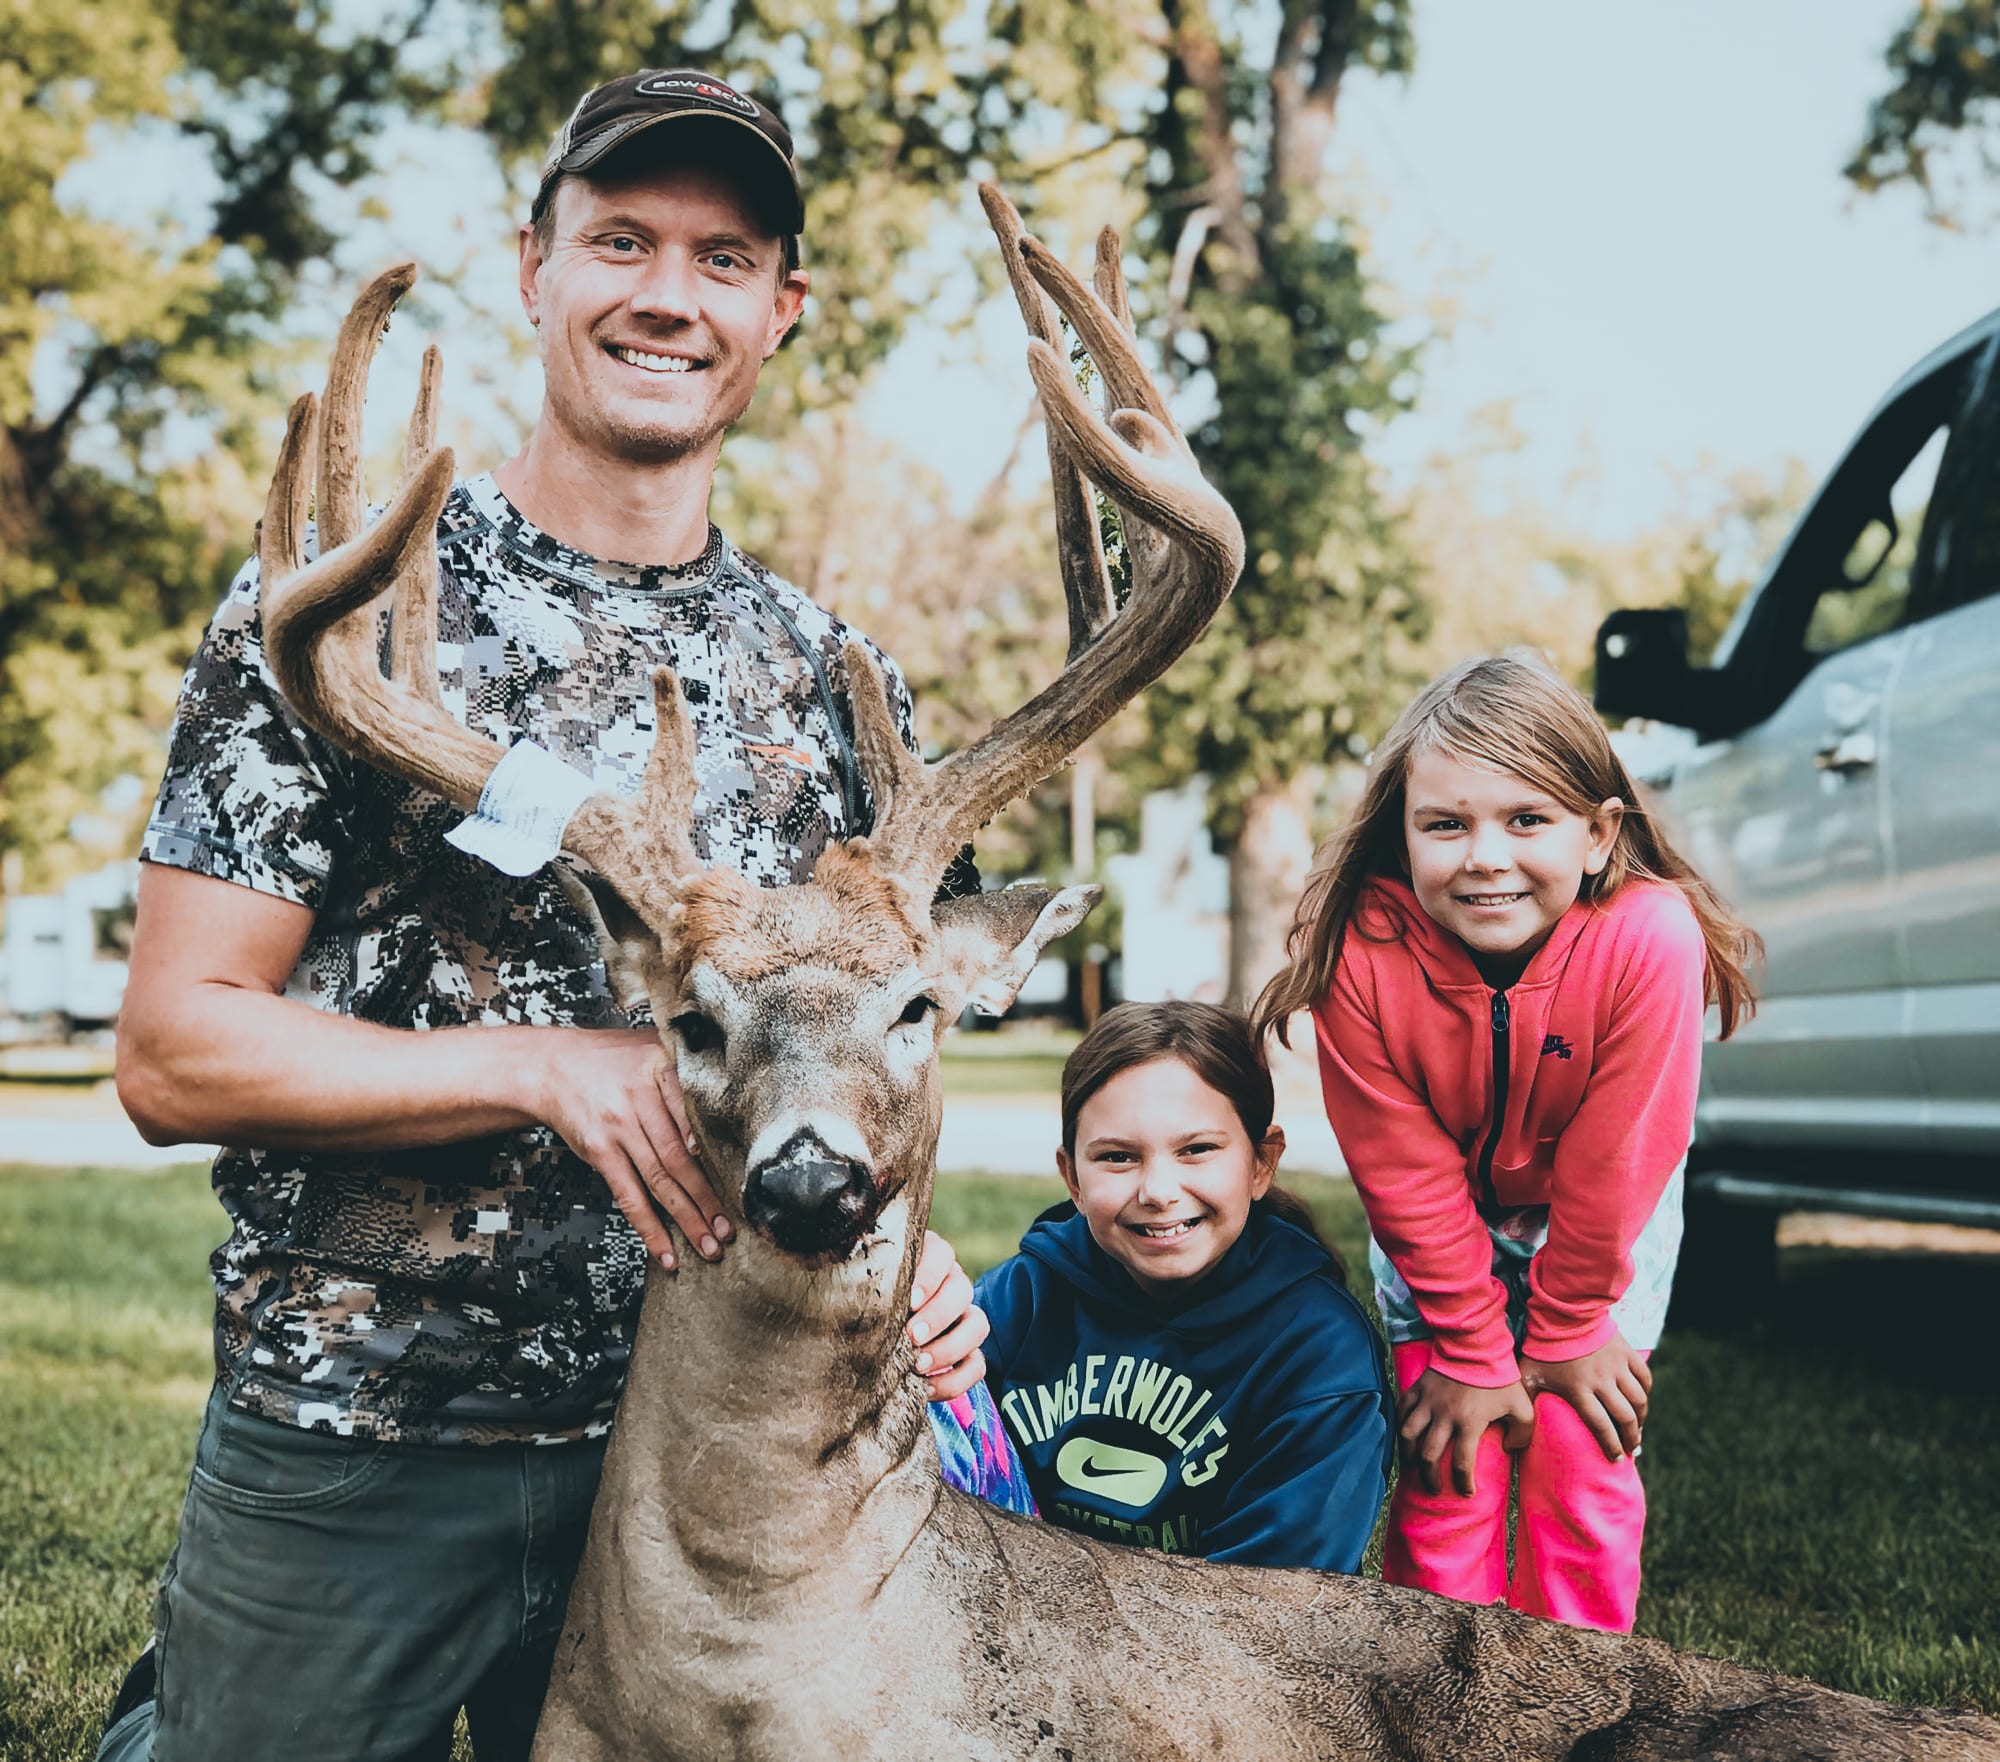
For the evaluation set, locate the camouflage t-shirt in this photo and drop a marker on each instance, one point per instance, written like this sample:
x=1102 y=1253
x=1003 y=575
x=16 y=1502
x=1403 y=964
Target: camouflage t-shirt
x=480 y=1291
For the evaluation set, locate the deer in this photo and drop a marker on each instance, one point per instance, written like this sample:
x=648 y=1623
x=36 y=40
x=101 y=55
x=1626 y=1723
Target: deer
x=774 y=1568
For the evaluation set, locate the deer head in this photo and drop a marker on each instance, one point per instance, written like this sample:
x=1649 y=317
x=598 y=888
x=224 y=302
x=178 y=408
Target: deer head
x=805 y=1020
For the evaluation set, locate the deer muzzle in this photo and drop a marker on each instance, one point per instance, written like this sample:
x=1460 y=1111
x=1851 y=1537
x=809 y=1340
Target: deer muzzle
x=810 y=1200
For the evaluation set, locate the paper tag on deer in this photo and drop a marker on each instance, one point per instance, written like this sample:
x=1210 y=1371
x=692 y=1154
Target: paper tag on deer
x=523 y=810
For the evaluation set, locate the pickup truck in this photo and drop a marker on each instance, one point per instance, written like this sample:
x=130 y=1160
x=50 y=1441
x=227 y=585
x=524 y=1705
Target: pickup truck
x=1842 y=791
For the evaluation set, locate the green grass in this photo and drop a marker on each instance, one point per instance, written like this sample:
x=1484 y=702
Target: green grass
x=1825 y=1488
x=1011 y=1065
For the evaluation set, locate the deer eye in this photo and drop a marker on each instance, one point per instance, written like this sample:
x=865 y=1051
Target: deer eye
x=917 y=1009
x=698 y=1032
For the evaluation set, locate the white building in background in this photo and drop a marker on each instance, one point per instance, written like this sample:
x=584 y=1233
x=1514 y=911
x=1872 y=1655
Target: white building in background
x=1175 y=890
x=62 y=957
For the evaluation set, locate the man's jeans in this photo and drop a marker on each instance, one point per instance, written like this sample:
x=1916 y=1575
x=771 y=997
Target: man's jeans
x=338 y=1600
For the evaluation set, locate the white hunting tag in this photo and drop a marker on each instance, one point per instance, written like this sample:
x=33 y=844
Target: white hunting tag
x=523 y=810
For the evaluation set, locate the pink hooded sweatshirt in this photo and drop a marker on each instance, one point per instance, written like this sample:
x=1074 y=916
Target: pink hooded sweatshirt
x=1574 y=1088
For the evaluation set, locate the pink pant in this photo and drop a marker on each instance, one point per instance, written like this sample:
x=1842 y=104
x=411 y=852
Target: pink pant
x=1576 y=1546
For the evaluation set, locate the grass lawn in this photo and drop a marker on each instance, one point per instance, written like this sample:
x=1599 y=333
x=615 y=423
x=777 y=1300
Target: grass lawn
x=1825 y=1488
x=989 y=1065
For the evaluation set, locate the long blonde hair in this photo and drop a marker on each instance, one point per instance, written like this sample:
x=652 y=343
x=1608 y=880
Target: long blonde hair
x=1511 y=713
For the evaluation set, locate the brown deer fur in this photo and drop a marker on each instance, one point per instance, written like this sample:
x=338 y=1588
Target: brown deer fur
x=775 y=1571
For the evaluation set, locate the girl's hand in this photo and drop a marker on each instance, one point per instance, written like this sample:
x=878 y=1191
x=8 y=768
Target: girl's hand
x=946 y=1326
x=1438 y=1415
x=1608 y=1388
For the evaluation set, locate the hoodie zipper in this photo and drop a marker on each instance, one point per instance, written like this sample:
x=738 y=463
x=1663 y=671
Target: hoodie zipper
x=1489 y=1201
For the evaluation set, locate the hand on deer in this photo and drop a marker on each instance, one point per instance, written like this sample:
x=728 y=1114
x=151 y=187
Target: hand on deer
x=612 y=1097
x=946 y=1326
x=1608 y=1388
x=1439 y=1416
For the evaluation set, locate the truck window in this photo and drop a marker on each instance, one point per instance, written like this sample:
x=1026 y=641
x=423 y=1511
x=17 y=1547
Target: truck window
x=1871 y=592
x=1964 y=564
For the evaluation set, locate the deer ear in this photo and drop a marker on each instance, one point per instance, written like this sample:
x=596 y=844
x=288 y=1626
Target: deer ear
x=622 y=937
x=989 y=942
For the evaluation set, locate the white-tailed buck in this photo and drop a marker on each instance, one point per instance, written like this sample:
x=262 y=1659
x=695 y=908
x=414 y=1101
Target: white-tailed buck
x=775 y=1572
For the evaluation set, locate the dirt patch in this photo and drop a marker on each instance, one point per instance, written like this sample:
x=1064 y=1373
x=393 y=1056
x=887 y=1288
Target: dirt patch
x=1832 y=1229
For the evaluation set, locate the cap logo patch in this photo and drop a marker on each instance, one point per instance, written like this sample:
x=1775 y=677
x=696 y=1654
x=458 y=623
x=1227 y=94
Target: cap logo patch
x=669 y=85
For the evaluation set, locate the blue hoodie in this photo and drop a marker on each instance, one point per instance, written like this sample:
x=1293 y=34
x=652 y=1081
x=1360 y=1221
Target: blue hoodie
x=1246 y=1418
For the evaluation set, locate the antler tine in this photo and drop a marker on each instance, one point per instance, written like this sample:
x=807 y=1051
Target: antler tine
x=342 y=508
x=1111 y=344
x=1142 y=544
x=1191 y=557
x=1080 y=550
x=664 y=812
x=642 y=847
x=1109 y=276
x=895 y=774
x=413 y=618
x=281 y=533
x=421 y=435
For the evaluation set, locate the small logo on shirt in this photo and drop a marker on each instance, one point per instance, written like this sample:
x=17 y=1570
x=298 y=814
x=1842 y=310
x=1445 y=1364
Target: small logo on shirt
x=794 y=756
x=1125 y=1477
x=1555 y=1043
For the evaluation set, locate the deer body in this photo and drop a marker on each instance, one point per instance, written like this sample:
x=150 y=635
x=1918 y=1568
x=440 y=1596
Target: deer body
x=742 y=1599
x=775 y=1572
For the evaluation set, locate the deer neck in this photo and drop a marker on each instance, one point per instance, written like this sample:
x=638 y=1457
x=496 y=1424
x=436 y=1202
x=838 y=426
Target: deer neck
x=759 y=1444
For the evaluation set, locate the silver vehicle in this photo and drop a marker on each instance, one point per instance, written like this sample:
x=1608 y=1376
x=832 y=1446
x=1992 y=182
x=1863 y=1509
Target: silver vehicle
x=1844 y=795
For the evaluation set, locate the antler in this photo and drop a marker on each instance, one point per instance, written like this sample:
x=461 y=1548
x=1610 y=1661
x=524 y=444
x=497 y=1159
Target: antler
x=322 y=636
x=1184 y=541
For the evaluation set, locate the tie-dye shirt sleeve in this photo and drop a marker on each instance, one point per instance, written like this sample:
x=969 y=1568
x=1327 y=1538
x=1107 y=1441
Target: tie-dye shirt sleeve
x=977 y=1454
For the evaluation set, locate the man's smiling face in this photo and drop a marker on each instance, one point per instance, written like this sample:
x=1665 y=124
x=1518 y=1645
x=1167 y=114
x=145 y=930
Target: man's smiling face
x=658 y=298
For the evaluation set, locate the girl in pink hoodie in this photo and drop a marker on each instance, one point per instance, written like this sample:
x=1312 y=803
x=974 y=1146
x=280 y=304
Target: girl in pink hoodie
x=1507 y=966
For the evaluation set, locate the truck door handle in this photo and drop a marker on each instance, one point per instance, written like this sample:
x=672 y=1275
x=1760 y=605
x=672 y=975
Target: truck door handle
x=1846 y=754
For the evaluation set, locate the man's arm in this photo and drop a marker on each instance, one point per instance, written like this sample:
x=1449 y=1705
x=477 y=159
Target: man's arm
x=209 y=1050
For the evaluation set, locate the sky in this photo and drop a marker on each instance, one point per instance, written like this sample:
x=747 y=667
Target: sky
x=1639 y=215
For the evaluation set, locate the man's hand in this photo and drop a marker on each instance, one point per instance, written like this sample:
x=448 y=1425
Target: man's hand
x=1608 y=1388
x=1439 y=1416
x=612 y=1096
x=946 y=1326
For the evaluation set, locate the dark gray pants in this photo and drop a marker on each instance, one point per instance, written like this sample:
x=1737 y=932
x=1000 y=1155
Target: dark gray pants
x=338 y=1600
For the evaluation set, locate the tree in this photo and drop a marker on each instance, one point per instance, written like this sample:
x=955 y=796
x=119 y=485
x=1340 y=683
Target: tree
x=1526 y=577
x=1268 y=310
x=137 y=349
x=896 y=105
x=1945 y=64
x=1270 y=306
x=125 y=492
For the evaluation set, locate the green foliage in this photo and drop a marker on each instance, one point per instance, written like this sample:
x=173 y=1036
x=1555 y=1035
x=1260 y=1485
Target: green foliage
x=1945 y=64
x=137 y=349
x=895 y=106
x=1314 y=651
x=1285 y=331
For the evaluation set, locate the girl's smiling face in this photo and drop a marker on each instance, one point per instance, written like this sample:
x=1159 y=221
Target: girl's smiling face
x=1164 y=1172
x=1496 y=860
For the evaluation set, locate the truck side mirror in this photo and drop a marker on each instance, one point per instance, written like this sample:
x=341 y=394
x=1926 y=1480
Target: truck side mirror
x=1642 y=666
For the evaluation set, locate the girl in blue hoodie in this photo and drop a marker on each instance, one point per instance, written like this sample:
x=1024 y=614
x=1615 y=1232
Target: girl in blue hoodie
x=1175 y=1351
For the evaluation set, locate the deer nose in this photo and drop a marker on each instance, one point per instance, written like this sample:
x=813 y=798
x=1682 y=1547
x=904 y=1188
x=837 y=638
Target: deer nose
x=809 y=1199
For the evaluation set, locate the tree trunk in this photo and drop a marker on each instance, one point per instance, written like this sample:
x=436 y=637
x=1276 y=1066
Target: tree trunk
x=1267 y=868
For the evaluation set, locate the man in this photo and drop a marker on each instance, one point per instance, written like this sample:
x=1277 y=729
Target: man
x=424 y=1304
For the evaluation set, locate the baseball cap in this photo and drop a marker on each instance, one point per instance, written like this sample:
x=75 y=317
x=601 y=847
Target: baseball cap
x=610 y=114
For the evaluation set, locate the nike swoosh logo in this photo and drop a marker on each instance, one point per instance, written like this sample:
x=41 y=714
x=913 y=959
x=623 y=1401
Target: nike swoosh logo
x=1125 y=1477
